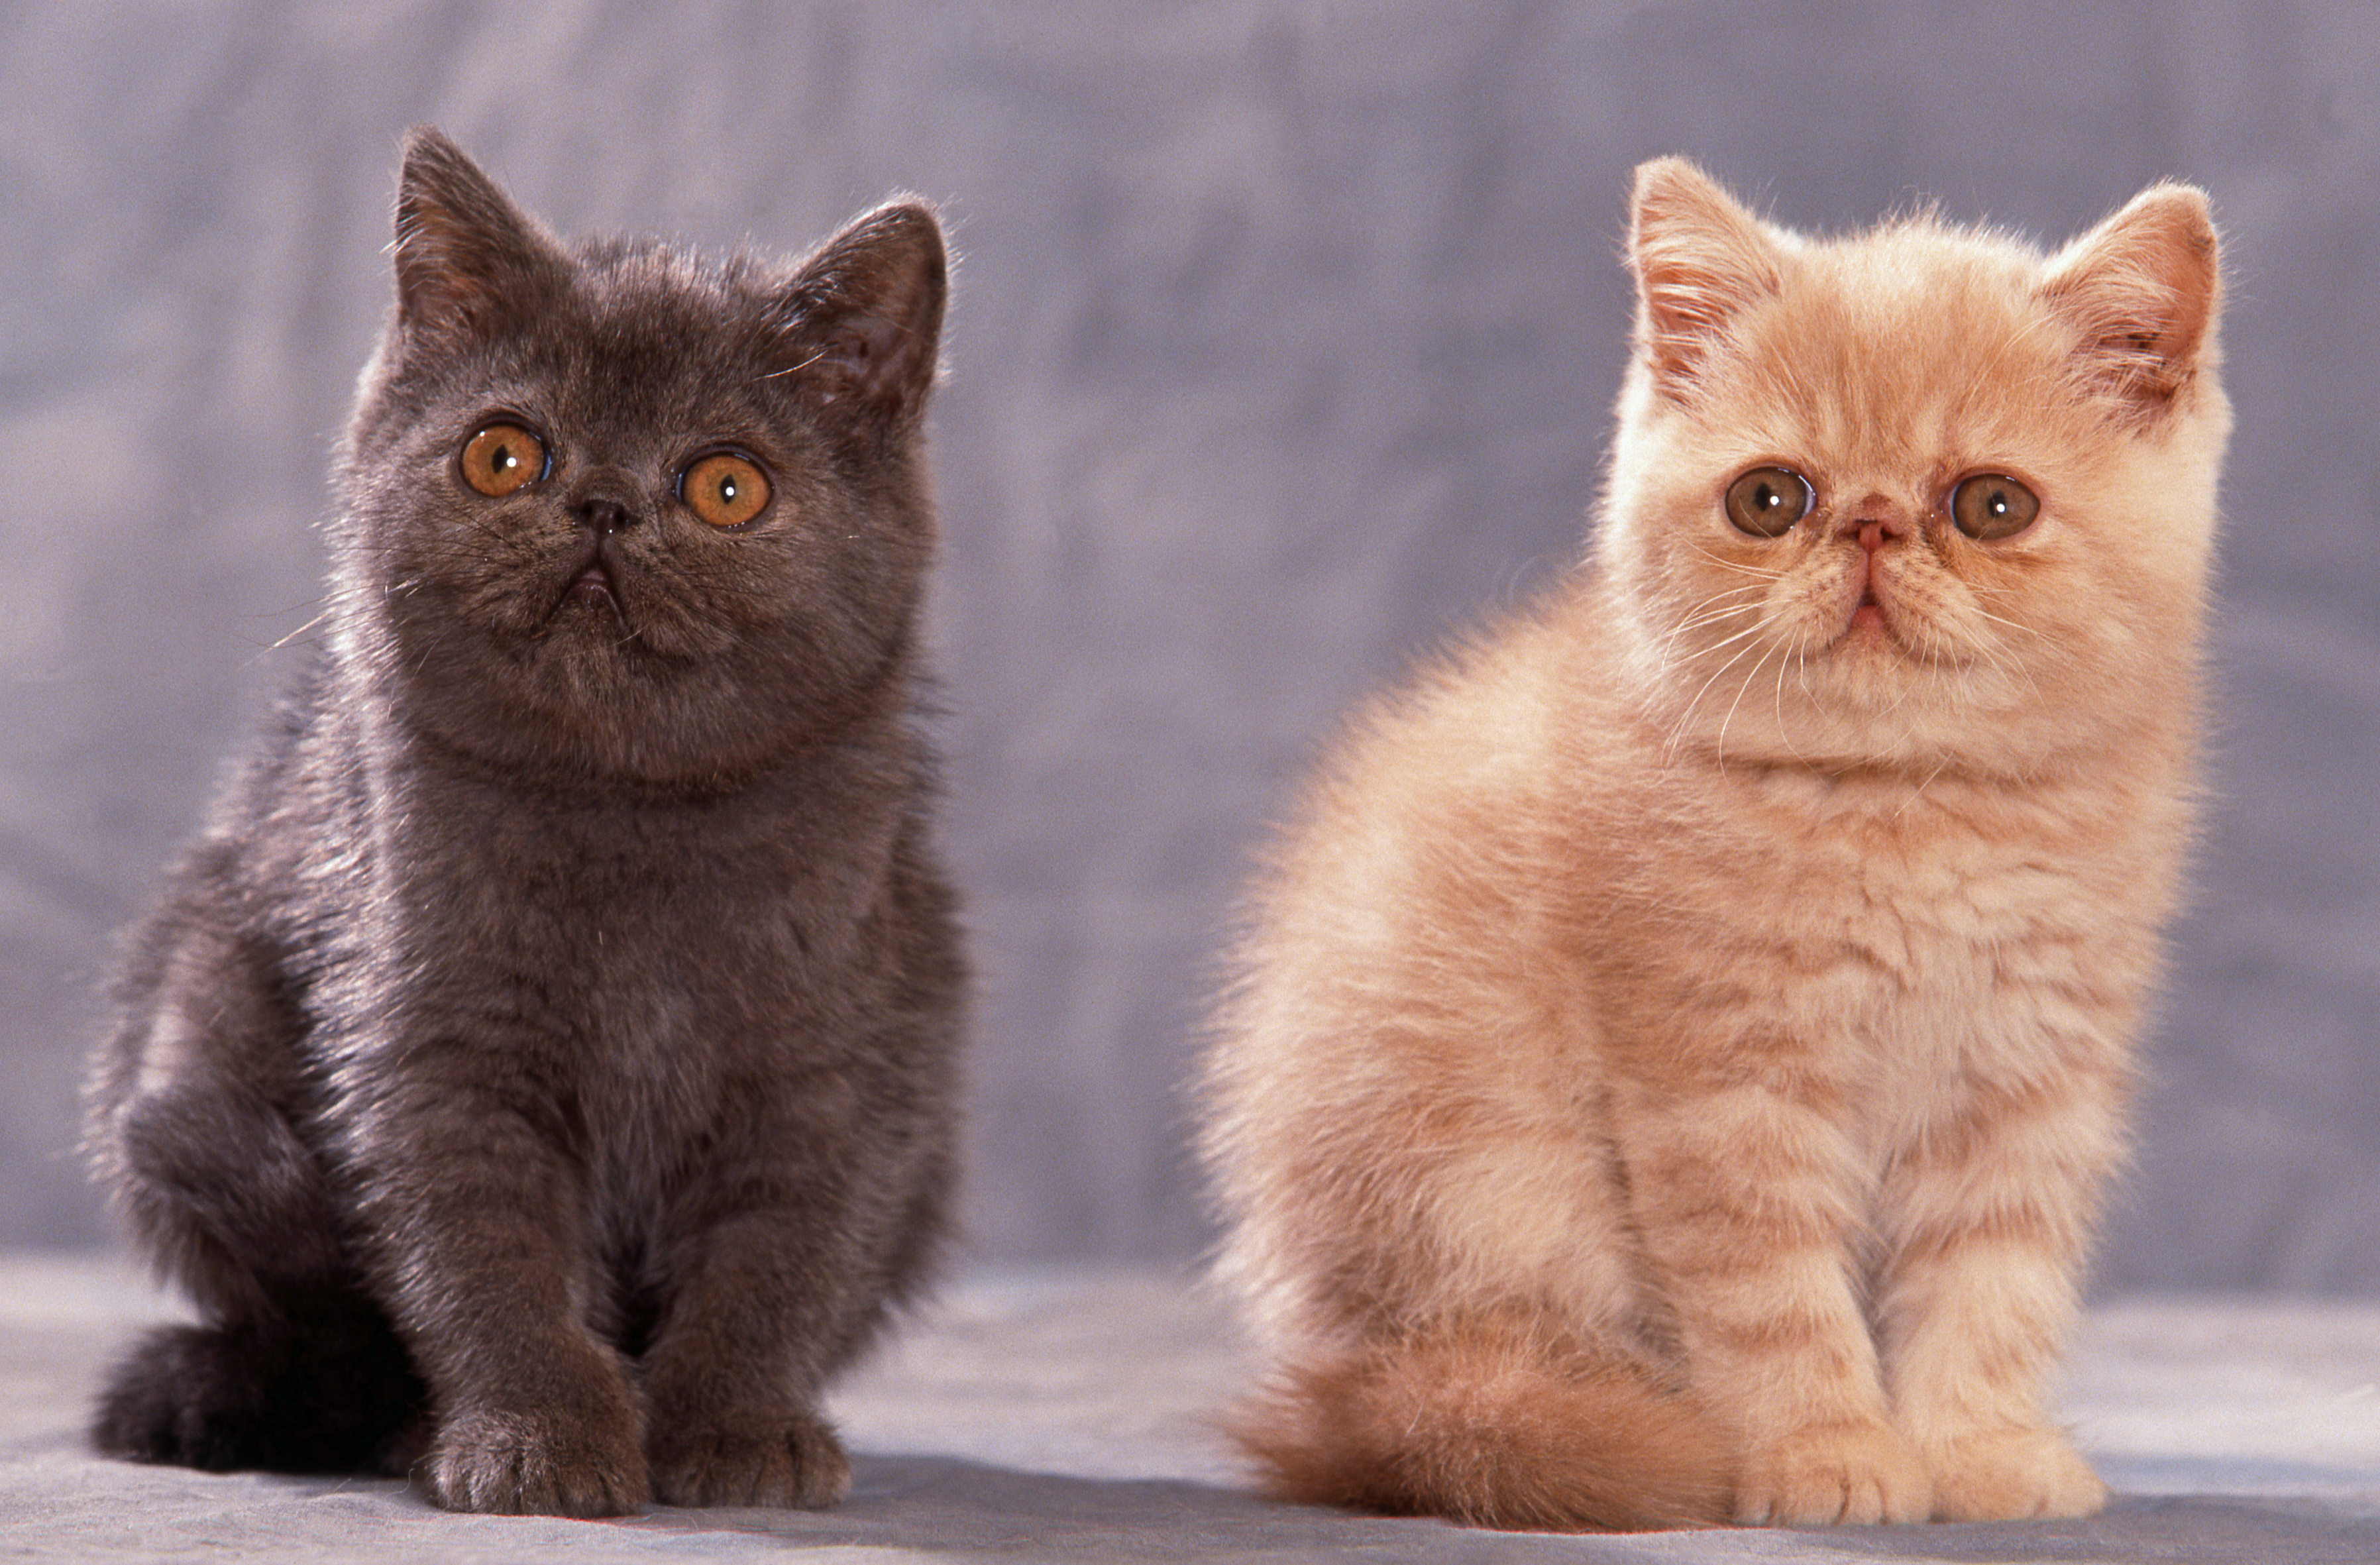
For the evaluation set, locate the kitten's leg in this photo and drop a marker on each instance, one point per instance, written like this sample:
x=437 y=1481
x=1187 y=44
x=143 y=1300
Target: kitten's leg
x=1989 y=1212
x=292 y=1369
x=472 y=1213
x=780 y=1270
x=733 y=1380
x=1747 y=1192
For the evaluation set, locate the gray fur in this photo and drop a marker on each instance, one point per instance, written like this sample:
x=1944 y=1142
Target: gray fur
x=541 y=1075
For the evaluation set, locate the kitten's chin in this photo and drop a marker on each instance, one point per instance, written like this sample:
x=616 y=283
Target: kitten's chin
x=1863 y=700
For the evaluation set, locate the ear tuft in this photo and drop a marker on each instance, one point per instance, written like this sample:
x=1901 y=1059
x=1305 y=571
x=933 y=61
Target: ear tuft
x=863 y=321
x=2143 y=289
x=467 y=260
x=1700 y=259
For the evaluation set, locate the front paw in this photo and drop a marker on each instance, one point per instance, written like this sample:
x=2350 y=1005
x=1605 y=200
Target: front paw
x=2012 y=1475
x=1827 y=1474
x=538 y=1465
x=751 y=1460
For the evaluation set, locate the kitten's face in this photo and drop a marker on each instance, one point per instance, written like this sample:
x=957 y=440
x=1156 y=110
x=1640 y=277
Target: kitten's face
x=629 y=511
x=1897 y=499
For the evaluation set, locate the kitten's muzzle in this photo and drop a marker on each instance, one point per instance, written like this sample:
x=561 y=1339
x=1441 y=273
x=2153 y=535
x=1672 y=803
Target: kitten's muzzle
x=595 y=588
x=596 y=583
x=1874 y=522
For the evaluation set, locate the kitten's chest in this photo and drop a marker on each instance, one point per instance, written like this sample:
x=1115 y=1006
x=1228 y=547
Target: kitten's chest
x=1940 y=961
x=649 y=961
x=1934 y=942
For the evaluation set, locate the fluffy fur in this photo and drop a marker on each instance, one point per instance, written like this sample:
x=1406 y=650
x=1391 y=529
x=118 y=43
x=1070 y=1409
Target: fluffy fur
x=540 y=1074
x=1679 y=1048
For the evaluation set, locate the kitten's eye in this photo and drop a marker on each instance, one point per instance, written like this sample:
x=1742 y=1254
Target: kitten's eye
x=724 y=490
x=501 y=458
x=1767 y=501
x=1993 y=505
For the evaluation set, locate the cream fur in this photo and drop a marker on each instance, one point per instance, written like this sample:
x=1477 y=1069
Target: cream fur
x=1710 y=987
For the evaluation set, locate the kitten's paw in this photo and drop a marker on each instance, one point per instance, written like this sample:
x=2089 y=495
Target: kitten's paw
x=1828 y=1474
x=537 y=1464
x=777 y=1460
x=2016 y=1476
x=187 y=1395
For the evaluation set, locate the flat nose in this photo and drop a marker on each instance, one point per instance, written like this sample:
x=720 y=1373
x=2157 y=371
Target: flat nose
x=605 y=515
x=604 y=506
x=1873 y=520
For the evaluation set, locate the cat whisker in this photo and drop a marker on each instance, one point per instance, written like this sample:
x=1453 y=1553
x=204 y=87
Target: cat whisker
x=1784 y=730
x=1718 y=607
x=1757 y=578
x=1764 y=572
x=2014 y=667
x=1720 y=645
x=1722 y=604
x=794 y=368
x=1919 y=792
x=1720 y=754
x=302 y=629
x=2011 y=624
x=1685 y=715
x=1726 y=604
x=1667 y=651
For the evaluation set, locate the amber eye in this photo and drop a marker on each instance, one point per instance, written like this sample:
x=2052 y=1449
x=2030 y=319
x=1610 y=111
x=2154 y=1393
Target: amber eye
x=501 y=458
x=724 y=490
x=1993 y=505
x=1767 y=501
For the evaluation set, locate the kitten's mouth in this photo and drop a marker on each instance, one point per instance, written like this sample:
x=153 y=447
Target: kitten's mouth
x=594 y=586
x=593 y=589
x=1869 y=622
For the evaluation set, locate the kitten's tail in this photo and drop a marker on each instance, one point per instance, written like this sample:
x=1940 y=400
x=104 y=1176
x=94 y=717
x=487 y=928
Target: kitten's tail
x=342 y=1397
x=1491 y=1431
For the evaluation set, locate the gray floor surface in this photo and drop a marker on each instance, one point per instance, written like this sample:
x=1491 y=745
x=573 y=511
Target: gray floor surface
x=1059 y=1414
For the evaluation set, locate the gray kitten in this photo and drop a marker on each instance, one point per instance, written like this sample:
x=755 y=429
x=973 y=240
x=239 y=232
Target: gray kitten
x=541 y=1075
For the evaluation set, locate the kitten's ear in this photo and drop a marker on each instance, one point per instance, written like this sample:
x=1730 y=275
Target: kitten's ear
x=2142 y=288
x=1699 y=260
x=860 y=324
x=468 y=263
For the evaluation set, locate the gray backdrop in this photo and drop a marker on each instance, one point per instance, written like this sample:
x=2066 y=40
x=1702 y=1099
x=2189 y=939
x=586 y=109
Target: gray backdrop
x=1282 y=346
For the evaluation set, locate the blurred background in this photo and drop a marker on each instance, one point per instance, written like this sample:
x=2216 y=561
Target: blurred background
x=1283 y=347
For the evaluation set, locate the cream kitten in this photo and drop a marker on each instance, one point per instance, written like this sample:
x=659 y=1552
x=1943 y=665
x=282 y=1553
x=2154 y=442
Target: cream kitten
x=1679 y=1048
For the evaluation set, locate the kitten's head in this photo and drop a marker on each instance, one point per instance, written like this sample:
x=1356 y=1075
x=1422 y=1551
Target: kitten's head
x=1918 y=496
x=617 y=510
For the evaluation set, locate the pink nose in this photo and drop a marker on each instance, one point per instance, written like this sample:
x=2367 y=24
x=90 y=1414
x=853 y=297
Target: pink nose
x=1874 y=524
